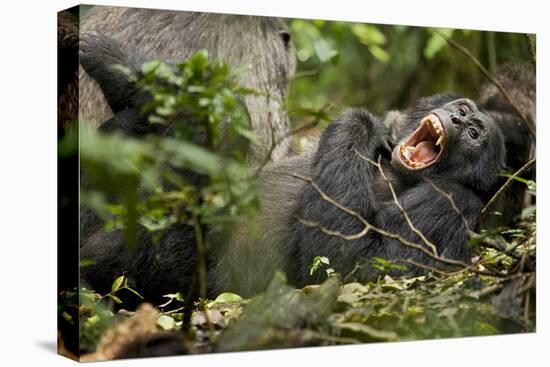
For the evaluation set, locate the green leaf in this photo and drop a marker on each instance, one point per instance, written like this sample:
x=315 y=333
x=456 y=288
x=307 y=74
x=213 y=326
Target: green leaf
x=367 y=330
x=150 y=67
x=385 y=265
x=379 y=53
x=483 y=328
x=115 y=298
x=528 y=212
x=118 y=283
x=194 y=156
x=368 y=34
x=171 y=297
x=317 y=263
x=166 y=322
x=323 y=51
x=124 y=70
x=226 y=297
x=86 y=262
x=133 y=291
x=436 y=42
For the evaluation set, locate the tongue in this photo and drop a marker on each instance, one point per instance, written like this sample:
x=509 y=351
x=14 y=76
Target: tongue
x=424 y=152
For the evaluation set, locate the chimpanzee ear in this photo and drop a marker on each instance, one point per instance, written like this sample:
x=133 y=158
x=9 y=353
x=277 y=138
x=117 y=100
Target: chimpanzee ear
x=285 y=37
x=98 y=56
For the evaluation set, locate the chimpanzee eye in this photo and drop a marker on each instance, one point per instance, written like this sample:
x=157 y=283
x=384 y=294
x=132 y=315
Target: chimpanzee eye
x=462 y=111
x=473 y=133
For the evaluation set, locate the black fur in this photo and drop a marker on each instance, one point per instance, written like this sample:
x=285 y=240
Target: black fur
x=98 y=56
x=468 y=171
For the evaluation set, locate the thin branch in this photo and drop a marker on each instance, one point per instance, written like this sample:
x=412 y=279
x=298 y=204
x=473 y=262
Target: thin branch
x=490 y=290
x=508 y=182
x=201 y=249
x=453 y=203
x=423 y=266
x=528 y=123
x=267 y=158
x=309 y=73
x=330 y=232
x=328 y=199
x=275 y=142
x=430 y=244
x=526 y=306
x=530 y=284
x=357 y=267
x=335 y=339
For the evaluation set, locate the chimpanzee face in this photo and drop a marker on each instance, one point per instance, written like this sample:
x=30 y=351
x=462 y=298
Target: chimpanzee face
x=455 y=136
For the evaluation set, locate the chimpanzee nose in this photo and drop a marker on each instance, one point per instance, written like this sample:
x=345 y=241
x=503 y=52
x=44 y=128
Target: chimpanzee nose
x=456 y=120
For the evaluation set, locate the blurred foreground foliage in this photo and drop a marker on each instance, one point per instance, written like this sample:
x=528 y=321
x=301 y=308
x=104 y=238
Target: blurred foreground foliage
x=154 y=181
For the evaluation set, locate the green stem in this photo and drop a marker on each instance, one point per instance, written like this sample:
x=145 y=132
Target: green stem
x=201 y=249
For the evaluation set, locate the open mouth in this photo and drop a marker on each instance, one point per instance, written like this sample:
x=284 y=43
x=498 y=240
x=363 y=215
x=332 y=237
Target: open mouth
x=425 y=145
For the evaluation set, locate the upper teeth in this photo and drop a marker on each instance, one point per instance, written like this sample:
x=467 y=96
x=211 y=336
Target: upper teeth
x=432 y=122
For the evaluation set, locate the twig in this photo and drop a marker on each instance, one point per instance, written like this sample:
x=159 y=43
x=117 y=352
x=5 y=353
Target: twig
x=423 y=266
x=267 y=157
x=288 y=134
x=309 y=73
x=453 y=203
x=357 y=267
x=508 y=182
x=397 y=203
x=527 y=286
x=528 y=123
x=490 y=289
x=526 y=309
x=336 y=339
x=201 y=248
x=339 y=234
x=174 y=310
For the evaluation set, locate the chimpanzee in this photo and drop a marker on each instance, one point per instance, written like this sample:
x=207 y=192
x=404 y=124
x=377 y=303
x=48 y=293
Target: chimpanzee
x=447 y=143
x=258 y=49
x=355 y=197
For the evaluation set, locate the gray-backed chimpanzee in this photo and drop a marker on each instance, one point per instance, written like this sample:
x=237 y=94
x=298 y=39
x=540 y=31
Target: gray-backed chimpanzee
x=259 y=48
x=447 y=144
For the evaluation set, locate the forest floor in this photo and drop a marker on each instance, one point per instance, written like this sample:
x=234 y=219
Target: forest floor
x=494 y=296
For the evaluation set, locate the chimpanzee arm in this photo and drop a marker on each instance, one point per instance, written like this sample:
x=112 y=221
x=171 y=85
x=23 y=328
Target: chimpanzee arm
x=337 y=168
x=98 y=55
x=348 y=179
x=132 y=122
x=434 y=216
